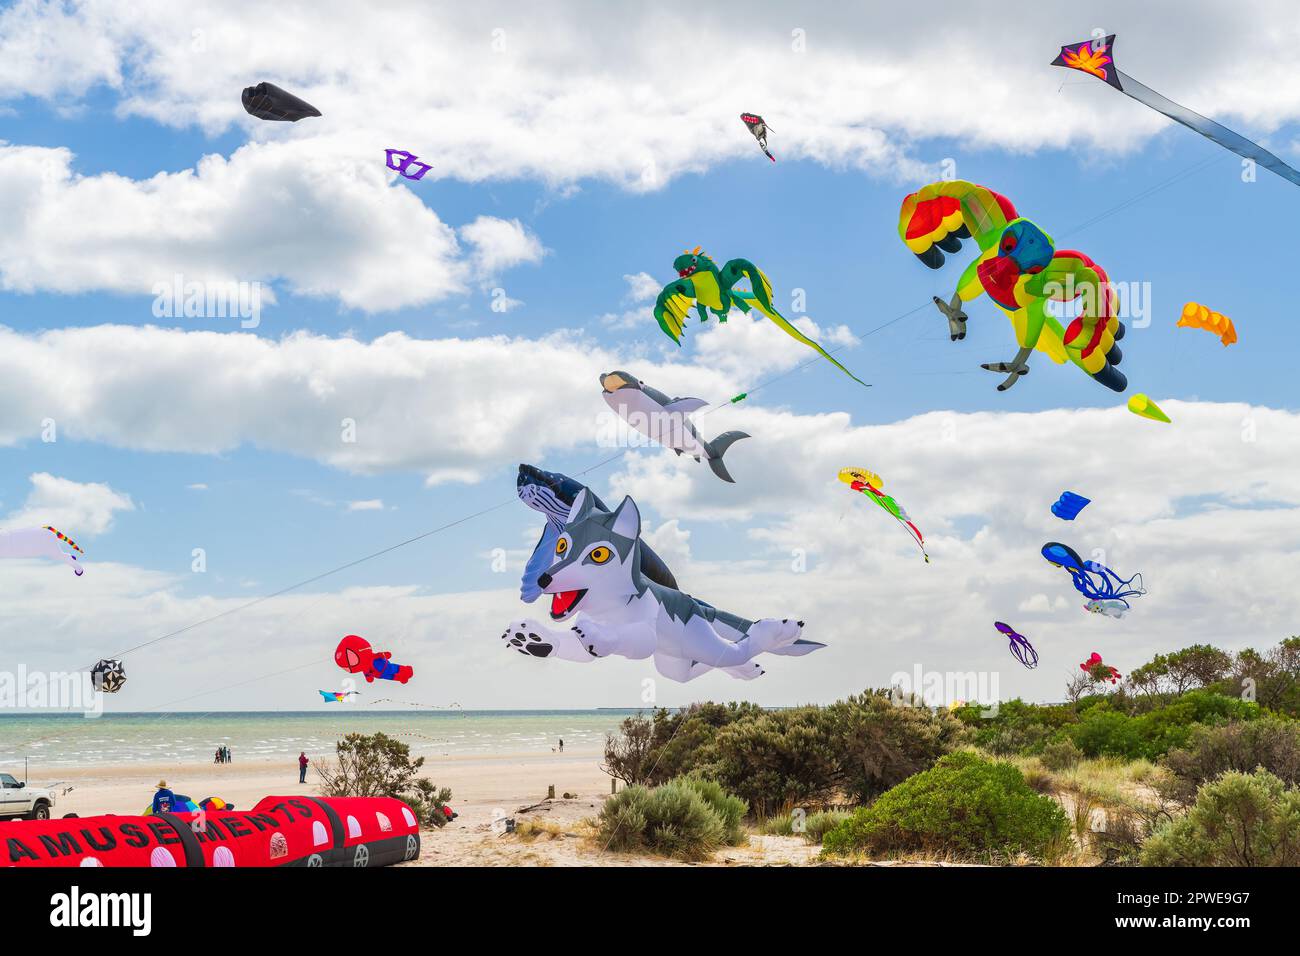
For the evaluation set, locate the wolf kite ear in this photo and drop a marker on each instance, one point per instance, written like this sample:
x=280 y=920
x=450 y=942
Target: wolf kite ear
x=627 y=520
x=580 y=506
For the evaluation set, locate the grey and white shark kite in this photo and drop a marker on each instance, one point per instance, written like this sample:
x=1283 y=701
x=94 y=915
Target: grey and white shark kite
x=665 y=420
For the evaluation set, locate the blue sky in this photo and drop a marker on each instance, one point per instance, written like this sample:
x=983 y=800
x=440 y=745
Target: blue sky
x=270 y=516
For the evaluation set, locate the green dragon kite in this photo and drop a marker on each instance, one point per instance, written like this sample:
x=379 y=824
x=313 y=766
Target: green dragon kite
x=702 y=284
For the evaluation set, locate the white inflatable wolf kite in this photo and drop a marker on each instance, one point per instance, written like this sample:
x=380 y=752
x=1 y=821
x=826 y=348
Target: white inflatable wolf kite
x=595 y=579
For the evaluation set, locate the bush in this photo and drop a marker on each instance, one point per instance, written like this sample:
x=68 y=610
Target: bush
x=1061 y=754
x=671 y=820
x=819 y=824
x=965 y=805
x=776 y=760
x=1238 y=820
x=1270 y=743
x=1104 y=732
x=730 y=810
x=376 y=765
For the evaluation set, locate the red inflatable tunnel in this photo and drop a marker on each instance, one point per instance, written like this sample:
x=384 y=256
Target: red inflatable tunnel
x=279 y=831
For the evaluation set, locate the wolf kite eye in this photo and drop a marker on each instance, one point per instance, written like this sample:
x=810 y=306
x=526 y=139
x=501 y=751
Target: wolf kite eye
x=599 y=555
x=561 y=546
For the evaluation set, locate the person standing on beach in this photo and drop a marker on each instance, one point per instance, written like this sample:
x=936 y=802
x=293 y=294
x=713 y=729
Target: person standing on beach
x=561 y=745
x=302 y=767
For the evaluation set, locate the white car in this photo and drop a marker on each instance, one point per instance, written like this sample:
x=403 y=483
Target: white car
x=19 y=800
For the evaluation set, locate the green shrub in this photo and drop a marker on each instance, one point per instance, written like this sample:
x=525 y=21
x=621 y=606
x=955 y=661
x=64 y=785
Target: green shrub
x=819 y=824
x=671 y=820
x=1061 y=754
x=775 y=761
x=730 y=810
x=965 y=806
x=1270 y=743
x=1105 y=732
x=878 y=744
x=1238 y=820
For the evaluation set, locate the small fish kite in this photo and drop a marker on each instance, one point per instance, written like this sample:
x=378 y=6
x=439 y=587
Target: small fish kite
x=267 y=101
x=1197 y=316
x=869 y=483
x=1143 y=407
x=1068 y=506
x=408 y=162
x=335 y=696
x=1020 y=646
x=701 y=285
x=355 y=655
x=1096 y=58
x=1116 y=609
x=758 y=126
x=1099 y=670
x=1094 y=581
x=665 y=420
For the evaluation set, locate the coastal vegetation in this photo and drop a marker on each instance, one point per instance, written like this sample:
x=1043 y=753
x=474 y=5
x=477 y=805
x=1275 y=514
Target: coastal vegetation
x=1193 y=759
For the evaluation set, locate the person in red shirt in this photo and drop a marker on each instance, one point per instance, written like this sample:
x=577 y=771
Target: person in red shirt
x=302 y=767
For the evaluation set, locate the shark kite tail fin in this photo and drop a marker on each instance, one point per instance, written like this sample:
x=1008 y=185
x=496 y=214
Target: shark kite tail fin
x=717 y=448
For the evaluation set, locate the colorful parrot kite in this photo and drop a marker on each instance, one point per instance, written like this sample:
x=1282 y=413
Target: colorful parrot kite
x=1099 y=670
x=1021 y=269
x=1143 y=407
x=869 y=484
x=1019 y=646
x=758 y=126
x=1094 y=581
x=355 y=655
x=702 y=285
x=1197 y=316
x=1096 y=58
x=1068 y=506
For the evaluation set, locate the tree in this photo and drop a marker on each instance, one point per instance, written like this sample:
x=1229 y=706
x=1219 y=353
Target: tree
x=376 y=765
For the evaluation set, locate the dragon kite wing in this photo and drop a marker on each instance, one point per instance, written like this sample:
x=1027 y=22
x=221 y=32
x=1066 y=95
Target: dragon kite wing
x=760 y=297
x=673 y=306
x=1096 y=58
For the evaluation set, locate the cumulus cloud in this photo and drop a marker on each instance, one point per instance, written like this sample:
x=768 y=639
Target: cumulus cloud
x=76 y=508
x=337 y=229
x=510 y=91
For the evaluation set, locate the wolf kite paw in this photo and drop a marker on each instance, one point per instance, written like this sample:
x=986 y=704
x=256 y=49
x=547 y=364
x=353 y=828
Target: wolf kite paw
x=585 y=641
x=523 y=638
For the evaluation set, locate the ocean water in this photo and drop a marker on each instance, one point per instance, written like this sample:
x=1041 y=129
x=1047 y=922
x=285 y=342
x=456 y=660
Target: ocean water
x=71 y=740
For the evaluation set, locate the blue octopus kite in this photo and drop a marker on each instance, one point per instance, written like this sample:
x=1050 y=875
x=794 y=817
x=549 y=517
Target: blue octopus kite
x=1094 y=581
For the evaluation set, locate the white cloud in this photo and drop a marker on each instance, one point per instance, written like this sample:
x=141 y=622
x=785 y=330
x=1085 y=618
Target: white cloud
x=500 y=244
x=75 y=508
x=453 y=409
x=321 y=223
x=642 y=287
x=370 y=504
x=505 y=91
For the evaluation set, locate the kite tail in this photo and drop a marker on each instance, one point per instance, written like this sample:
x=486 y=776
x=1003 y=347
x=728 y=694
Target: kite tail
x=717 y=448
x=63 y=537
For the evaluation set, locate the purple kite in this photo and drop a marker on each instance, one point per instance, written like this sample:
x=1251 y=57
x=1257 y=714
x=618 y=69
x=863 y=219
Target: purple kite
x=1019 y=646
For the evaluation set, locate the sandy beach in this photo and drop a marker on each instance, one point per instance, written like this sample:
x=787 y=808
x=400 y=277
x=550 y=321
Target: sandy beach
x=485 y=790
